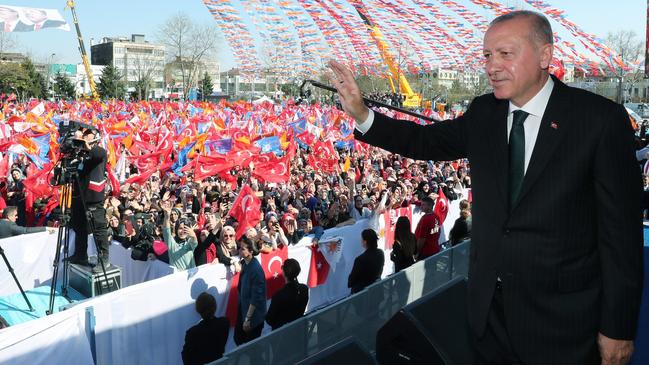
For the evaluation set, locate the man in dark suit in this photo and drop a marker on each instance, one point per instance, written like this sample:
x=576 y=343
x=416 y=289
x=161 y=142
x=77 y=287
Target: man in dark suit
x=556 y=258
x=205 y=342
x=9 y=228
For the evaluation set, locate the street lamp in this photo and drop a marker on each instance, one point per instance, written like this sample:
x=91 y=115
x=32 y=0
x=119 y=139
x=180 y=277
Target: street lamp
x=49 y=66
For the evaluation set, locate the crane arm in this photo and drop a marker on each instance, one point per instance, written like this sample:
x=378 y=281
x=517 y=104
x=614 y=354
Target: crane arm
x=82 y=49
x=412 y=98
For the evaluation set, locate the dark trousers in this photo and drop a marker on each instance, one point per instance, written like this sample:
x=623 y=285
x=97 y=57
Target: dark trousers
x=83 y=226
x=241 y=336
x=494 y=347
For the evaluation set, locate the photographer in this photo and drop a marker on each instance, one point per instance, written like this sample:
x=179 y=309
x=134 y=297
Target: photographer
x=88 y=202
x=273 y=235
x=182 y=246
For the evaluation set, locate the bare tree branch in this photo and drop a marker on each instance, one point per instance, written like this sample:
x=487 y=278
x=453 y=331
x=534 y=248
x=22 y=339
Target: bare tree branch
x=188 y=45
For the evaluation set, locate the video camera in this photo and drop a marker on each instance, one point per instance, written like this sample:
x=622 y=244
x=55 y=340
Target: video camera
x=72 y=150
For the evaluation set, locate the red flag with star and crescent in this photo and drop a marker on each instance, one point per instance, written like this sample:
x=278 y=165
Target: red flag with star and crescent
x=233 y=300
x=38 y=182
x=274 y=170
x=272 y=264
x=441 y=206
x=319 y=269
x=245 y=210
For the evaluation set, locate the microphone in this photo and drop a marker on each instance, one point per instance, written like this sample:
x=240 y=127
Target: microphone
x=368 y=101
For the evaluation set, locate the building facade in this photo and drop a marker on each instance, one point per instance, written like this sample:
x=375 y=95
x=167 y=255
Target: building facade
x=137 y=60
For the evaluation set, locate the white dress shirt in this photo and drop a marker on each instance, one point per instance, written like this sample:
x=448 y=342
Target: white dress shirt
x=535 y=108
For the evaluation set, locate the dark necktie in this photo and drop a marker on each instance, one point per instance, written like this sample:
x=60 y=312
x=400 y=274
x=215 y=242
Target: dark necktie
x=516 y=155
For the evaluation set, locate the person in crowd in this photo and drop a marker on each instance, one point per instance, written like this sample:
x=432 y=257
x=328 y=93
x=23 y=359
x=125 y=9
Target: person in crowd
x=289 y=303
x=427 y=231
x=289 y=227
x=461 y=230
x=226 y=248
x=16 y=195
x=539 y=171
x=9 y=227
x=272 y=235
x=368 y=266
x=207 y=249
x=205 y=342
x=404 y=246
x=252 y=295
x=359 y=211
x=181 y=247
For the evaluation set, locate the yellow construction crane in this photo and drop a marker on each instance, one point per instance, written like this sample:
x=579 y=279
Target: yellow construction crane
x=82 y=49
x=412 y=98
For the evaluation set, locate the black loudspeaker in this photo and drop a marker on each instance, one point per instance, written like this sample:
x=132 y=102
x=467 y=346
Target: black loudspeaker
x=431 y=330
x=347 y=351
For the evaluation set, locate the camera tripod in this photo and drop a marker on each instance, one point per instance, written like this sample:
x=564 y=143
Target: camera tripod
x=11 y=270
x=63 y=239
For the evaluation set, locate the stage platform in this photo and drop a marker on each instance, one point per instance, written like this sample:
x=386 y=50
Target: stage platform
x=14 y=309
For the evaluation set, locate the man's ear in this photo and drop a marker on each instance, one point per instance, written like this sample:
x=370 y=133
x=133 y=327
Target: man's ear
x=545 y=60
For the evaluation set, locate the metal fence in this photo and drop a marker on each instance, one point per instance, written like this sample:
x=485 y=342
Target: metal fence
x=360 y=315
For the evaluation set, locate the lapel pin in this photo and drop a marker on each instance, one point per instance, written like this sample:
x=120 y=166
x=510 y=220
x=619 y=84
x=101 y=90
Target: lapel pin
x=554 y=125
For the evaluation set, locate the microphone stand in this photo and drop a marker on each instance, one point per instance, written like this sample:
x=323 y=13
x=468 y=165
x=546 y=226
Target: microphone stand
x=367 y=101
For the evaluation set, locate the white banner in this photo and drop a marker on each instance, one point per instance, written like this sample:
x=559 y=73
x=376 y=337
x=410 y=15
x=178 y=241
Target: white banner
x=21 y=19
x=58 y=339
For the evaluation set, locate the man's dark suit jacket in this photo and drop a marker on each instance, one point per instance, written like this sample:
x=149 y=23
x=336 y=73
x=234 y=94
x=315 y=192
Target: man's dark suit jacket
x=287 y=305
x=367 y=269
x=569 y=251
x=9 y=228
x=205 y=342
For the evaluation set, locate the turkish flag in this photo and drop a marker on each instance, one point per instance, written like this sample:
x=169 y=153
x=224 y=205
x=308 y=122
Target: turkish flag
x=233 y=300
x=38 y=182
x=391 y=217
x=114 y=183
x=4 y=167
x=272 y=263
x=210 y=166
x=323 y=164
x=276 y=170
x=441 y=206
x=319 y=269
x=245 y=210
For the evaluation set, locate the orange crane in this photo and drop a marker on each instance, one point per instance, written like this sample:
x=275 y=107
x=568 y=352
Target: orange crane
x=82 y=49
x=413 y=99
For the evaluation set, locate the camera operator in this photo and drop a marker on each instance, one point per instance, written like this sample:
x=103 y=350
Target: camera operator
x=90 y=190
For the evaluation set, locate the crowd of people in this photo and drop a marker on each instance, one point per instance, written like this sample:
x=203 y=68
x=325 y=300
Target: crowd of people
x=185 y=221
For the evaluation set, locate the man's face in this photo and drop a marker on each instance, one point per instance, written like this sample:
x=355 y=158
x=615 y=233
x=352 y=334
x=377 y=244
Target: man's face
x=13 y=217
x=515 y=63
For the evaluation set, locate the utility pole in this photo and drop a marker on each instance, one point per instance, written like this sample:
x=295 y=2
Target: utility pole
x=47 y=81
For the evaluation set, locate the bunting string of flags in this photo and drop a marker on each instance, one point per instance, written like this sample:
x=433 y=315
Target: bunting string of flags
x=422 y=34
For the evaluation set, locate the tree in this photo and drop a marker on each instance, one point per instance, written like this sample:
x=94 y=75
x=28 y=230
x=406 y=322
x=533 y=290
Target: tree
x=13 y=79
x=206 y=85
x=36 y=86
x=187 y=45
x=144 y=66
x=111 y=84
x=625 y=44
x=63 y=87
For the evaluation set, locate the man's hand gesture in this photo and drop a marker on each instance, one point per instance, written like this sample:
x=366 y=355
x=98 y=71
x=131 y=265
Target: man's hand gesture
x=348 y=91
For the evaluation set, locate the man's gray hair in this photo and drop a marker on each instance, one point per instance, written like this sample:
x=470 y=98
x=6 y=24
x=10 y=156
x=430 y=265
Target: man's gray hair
x=541 y=28
x=9 y=210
